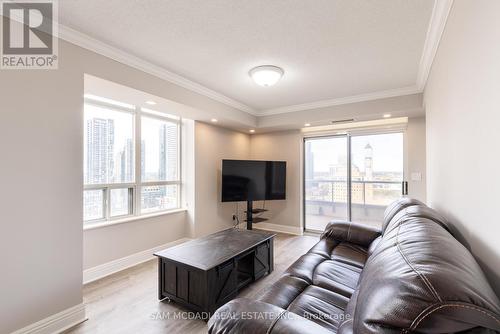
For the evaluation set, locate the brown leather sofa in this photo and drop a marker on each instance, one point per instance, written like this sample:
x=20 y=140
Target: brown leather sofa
x=412 y=276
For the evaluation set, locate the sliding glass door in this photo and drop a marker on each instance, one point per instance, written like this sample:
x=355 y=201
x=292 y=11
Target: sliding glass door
x=326 y=175
x=376 y=175
x=351 y=177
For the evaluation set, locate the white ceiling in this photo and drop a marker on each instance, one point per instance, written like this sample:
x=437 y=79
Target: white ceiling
x=329 y=49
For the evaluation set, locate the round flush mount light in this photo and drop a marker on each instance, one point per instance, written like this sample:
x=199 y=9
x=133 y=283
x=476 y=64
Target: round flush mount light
x=252 y=131
x=214 y=120
x=387 y=115
x=307 y=124
x=151 y=103
x=266 y=75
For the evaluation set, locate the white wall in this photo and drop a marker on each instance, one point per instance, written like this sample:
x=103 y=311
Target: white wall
x=415 y=157
x=286 y=146
x=212 y=144
x=43 y=248
x=41 y=171
x=103 y=245
x=462 y=104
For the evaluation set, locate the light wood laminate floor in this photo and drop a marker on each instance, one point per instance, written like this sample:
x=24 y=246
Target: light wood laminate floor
x=127 y=302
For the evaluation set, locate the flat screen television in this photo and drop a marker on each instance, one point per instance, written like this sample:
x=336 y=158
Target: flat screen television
x=253 y=180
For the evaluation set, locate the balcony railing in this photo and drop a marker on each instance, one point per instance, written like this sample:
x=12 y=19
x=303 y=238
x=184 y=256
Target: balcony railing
x=327 y=200
x=376 y=193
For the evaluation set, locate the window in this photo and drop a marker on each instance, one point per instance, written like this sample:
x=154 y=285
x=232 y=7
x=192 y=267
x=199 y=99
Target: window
x=131 y=161
x=159 y=163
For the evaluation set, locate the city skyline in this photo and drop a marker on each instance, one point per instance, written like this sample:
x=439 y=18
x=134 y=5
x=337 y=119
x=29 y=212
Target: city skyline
x=106 y=162
x=109 y=157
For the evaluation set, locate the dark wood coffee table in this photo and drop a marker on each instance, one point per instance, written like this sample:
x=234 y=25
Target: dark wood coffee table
x=205 y=273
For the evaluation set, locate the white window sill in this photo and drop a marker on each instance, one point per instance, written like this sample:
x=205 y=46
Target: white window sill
x=92 y=226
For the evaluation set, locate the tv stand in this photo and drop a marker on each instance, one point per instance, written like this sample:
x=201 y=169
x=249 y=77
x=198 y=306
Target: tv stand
x=250 y=218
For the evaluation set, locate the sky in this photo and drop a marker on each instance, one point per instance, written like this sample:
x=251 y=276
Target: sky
x=387 y=151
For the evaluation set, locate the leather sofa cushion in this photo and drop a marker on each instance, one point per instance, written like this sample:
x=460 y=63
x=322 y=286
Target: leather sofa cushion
x=324 y=247
x=321 y=306
x=304 y=267
x=346 y=327
x=350 y=254
x=337 y=276
x=284 y=291
x=341 y=251
x=244 y=315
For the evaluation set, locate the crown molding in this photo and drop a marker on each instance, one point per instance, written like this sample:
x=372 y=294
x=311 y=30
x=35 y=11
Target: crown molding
x=342 y=100
x=75 y=37
x=435 y=31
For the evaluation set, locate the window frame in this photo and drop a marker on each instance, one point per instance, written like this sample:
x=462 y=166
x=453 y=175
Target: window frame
x=136 y=186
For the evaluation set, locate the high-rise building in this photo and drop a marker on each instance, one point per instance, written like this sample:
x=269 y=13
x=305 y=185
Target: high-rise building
x=309 y=161
x=100 y=147
x=162 y=166
x=143 y=160
x=125 y=162
x=368 y=187
x=368 y=162
x=168 y=154
x=172 y=151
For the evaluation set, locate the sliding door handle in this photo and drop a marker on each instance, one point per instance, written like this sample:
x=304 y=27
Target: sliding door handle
x=404 y=188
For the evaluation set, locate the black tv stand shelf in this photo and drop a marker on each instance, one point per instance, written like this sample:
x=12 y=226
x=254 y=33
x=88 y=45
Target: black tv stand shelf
x=250 y=212
x=254 y=211
x=258 y=220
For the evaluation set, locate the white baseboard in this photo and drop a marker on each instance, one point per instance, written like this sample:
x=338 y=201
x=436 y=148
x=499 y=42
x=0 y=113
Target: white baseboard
x=278 y=228
x=56 y=323
x=103 y=270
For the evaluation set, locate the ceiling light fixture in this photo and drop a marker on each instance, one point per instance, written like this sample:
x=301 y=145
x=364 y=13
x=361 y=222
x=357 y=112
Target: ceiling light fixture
x=307 y=124
x=151 y=103
x=214 y=120
x=387 y=115
x=252 y=131
x=266 y=75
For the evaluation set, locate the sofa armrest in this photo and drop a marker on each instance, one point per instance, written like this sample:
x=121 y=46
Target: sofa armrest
x=250 y=316
x=356 y=233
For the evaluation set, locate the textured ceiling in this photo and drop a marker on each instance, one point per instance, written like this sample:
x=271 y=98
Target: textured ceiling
x=328 y=48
